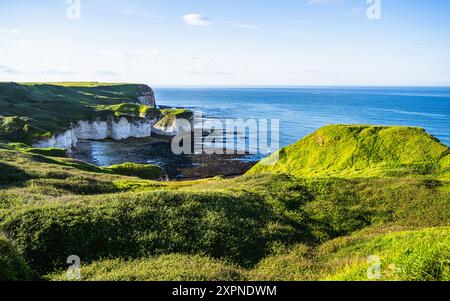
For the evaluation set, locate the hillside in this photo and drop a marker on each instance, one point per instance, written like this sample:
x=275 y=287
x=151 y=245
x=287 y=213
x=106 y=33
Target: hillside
x=361 y=151
x=30 y=111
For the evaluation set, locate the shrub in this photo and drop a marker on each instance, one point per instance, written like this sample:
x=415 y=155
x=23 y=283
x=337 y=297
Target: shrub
x=48 y=152
x=143 y=171
x=140 y=225
x=12 y=265
x=173 y=267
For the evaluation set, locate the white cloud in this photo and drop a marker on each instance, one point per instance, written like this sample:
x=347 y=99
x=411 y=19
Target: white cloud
x=8 y=70
x=197 y=20
x=13 y=31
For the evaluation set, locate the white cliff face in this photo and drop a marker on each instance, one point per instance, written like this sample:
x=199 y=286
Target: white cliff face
x=99 y=130
x=95 y=130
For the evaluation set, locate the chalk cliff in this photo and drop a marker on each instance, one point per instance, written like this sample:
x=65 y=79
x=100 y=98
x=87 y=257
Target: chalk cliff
x=120 y=129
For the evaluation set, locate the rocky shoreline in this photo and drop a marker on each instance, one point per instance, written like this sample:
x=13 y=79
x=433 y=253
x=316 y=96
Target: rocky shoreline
x=157 y=150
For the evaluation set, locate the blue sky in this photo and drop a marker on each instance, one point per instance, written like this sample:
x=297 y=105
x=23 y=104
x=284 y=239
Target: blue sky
x=227 y=42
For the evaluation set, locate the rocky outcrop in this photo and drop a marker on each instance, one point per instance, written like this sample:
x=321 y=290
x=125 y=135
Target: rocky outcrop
x=174 y=126
x=147 y=96
x=120 y=129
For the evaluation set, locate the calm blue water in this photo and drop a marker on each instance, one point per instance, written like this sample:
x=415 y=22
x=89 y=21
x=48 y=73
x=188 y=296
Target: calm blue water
x=301 y=111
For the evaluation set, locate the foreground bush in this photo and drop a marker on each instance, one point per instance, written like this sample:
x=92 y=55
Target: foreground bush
x=163 y=268
x=143 y=171
x=12 y=265
x=141 y=225
x=420 y=255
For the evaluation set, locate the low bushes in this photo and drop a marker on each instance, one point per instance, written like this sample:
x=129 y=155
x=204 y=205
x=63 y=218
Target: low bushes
x=420 y=255
x=12 y=265
x=140 y=225
x=174 y=267
x=143 y=171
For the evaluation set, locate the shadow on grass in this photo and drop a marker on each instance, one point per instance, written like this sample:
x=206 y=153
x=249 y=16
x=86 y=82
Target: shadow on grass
x=12 y=176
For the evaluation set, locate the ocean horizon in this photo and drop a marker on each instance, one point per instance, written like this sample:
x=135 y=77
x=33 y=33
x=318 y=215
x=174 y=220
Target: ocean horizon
x=302 y=110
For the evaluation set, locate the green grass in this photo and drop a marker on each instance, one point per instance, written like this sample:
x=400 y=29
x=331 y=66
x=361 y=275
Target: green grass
x=48 y=208
x=174 y=267
x=32 y=111
x=171 y=115
x=13 y=266
x=360 y=151
x=49 y=152
x=133 y=110
x=143 y=171
x=418 y=255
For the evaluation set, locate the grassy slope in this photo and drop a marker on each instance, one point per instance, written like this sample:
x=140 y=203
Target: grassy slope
x=13 y=266
x=32 y=110
x=404 y=255
x=174 y=267
x=50 y=205
x=354 y=151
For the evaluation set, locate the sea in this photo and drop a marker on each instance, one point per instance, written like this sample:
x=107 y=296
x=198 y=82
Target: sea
x=300 y=111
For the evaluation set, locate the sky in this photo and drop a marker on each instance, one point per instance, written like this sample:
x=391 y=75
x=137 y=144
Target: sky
x=227 y=42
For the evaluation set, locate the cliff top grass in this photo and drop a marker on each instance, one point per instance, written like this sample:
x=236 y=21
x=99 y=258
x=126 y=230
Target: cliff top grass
x=133 y=110
x=31 y=111
x=361 y=151
x=76 y=84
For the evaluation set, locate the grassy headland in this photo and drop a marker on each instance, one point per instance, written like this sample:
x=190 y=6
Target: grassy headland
x=31 y=111
x=361 y=151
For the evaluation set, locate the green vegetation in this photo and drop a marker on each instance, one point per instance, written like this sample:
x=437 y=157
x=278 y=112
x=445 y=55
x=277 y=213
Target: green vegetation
x=143 y=171
x=134 y=110
x=163 y=268
x=30 y=111
x=333 y=199
x=416 y=255
x=49 y=152
x=360 y=151
x=13 y=267
x=171 y=115
x=419 y=255
x=48 y=207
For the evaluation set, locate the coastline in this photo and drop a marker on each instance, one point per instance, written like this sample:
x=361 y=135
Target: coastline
x=157 y=150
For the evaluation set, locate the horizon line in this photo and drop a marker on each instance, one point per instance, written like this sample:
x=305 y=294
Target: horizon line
x=236 y=85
